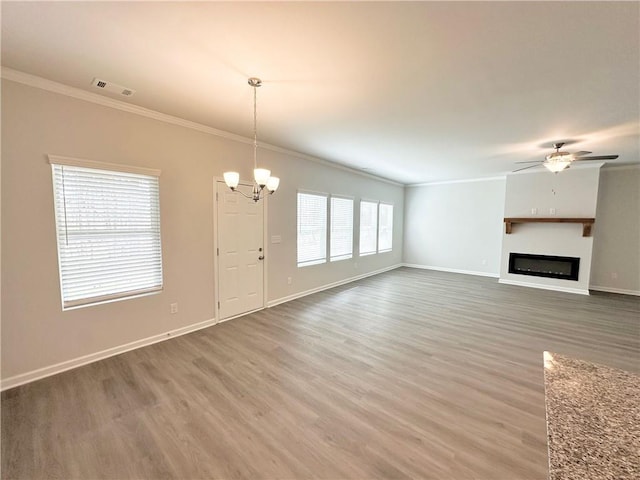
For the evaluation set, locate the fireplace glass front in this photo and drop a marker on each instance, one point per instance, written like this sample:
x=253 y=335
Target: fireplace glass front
x=544 y=266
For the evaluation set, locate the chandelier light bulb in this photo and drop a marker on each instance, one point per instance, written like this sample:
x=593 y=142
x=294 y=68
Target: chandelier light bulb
x=232 y=179
x=261 y=176
x=272 y=184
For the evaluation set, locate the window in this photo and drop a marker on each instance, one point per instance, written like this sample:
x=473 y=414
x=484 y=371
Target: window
x=108 y=230
x=312 y=229
x=385 y=228
x=341 y=241
x=368 y=227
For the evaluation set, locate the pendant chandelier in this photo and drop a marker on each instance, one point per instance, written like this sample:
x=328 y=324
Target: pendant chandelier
x=263 y=181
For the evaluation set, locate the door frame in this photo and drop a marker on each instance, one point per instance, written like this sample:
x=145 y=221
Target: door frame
x=216 y=264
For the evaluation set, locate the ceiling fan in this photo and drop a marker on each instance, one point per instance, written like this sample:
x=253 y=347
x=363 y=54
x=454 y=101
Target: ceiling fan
x=559 y=160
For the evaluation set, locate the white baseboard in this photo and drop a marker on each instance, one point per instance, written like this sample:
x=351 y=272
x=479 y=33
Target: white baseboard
x=555 y=288
x=23 y=378
x=451 y=270
x=614 y=290
x=48 y=371
x=288 y=298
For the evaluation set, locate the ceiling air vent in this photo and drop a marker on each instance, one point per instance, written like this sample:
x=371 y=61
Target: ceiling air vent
x=112 y=87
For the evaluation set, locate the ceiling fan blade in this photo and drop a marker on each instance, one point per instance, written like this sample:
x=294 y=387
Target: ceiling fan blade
x=600 y=157
x=524 y=168
x=581 y=153
x=531 y=161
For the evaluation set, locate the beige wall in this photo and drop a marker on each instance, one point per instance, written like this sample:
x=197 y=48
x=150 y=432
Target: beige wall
x=36 y=333
x=616 y=237
x=455 y=226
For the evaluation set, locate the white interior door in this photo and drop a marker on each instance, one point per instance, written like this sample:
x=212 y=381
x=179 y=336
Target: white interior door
x=240 y=252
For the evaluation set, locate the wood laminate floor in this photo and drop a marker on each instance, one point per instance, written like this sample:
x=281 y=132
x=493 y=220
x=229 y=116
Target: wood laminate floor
x=408 y=374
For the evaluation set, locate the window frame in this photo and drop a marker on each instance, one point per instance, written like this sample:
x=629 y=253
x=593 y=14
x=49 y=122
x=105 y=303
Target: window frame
x=375 y=229
x=347 y=256
x=69 y=290
x=387 y=204
x=318 y=261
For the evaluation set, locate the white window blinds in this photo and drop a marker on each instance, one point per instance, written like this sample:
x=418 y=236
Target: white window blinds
x=312 y=229
x=385 y=228
x=341 y=241
x=108 y=229
x=368 y=227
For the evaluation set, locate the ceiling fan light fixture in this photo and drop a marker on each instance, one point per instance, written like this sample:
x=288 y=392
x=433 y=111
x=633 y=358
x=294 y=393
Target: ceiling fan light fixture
x=558 y=161
x=556 y=165
x=559 y=156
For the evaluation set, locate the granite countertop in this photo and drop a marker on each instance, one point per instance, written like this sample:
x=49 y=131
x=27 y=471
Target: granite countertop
x=593 y=420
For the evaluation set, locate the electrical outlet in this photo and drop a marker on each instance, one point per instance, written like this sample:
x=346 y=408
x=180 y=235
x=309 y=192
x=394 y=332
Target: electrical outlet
x=552 y=211
x=174 y=308
x=288 y=280
x=614 y=275
x=355 y=265
x=484 y=261
x=534 y=211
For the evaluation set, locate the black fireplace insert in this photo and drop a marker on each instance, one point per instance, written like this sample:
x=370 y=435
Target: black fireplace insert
x=550 y=266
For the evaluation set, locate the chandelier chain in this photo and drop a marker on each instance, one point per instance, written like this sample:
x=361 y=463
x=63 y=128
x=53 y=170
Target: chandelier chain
x=255 y=127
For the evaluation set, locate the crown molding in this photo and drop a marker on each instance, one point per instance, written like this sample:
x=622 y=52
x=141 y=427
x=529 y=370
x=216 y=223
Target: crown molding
x=624 y=166
x=467 y=180
x=77 y=93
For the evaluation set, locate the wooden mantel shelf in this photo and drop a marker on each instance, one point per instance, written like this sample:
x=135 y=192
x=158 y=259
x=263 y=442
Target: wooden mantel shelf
x=586 y=222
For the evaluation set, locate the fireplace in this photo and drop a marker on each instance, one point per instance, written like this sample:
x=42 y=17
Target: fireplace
x=550 y=266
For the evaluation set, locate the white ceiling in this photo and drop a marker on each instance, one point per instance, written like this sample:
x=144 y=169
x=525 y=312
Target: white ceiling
x=412 y=91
